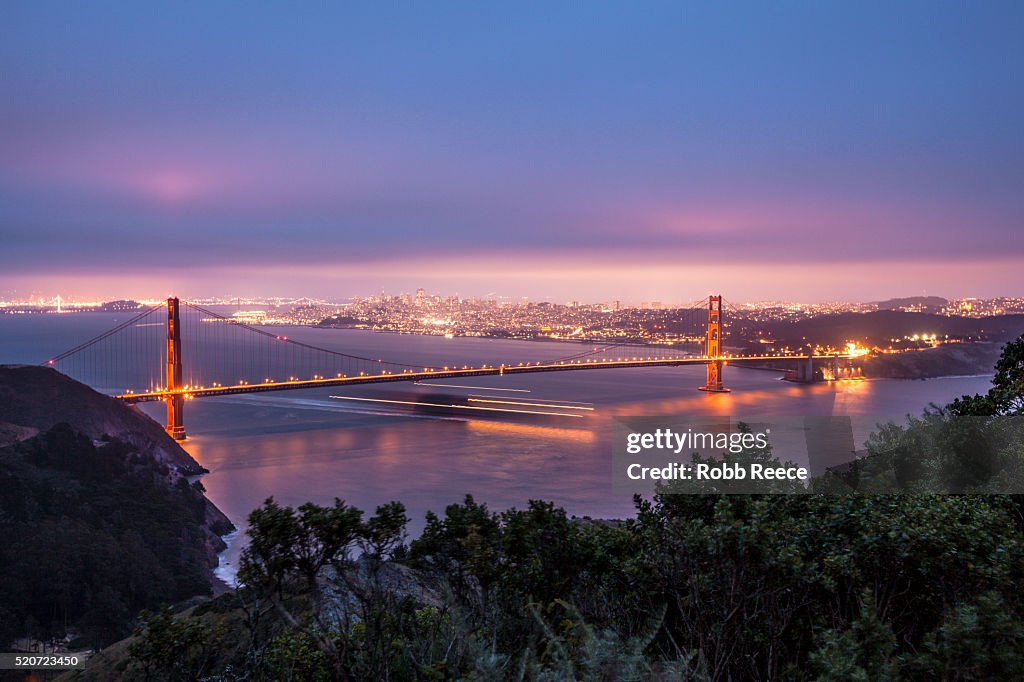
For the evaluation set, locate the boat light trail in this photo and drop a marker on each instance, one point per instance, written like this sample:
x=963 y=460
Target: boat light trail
x=455 y=407
x=511 y=402
x=475 y=388
x=550 y=400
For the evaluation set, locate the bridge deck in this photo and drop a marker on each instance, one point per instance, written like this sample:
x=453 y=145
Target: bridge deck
x=448 y=373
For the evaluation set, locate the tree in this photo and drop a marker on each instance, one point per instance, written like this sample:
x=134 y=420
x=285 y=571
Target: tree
x=172 y=649
x=1008 y=382
x=1006 y=397
x=286 y=545
x=465 y=546
x=864 y=653
x=290 y=548
x=983 y=640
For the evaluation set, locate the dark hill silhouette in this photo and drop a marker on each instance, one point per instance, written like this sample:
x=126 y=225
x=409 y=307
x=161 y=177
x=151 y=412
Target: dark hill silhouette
x=35 y=399
x=931 y=302
x=97 y=512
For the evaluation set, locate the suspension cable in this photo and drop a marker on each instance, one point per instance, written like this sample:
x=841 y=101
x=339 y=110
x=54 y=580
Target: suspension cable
x=101 y=337
x=300 y=344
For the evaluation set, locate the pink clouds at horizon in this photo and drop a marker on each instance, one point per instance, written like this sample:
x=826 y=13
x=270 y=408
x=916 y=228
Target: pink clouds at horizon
x=558 y=280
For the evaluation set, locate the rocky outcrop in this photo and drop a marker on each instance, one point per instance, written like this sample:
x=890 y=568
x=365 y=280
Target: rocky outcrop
x=344 y=596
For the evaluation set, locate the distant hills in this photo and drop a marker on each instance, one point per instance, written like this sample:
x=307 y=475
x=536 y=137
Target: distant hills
x=877 y=328
x=928 y=303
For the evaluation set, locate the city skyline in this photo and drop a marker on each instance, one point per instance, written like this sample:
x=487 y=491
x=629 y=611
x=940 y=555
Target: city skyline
x=803 y=153
x=909 y=303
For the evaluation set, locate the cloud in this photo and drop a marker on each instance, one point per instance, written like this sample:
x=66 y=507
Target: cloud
x=824 y=140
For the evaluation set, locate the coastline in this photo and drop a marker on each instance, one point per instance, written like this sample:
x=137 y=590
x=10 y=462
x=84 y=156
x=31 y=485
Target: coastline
x=224 y=576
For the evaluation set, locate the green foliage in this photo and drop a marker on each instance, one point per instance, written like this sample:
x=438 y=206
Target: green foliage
x=466 y=542
x=983 y=640
x=941 y=451
x=1006 y=397
x=289 y=549
x=974 y=406
x=294 y=657
x=283 y=543
x=572 y=649
x=771 y=587
x=286 y=544
x=403 y=640
x=1008 y=382
x=383 y=533
x=496 y=564
x=863 y=653
x=540 y=552
x=92 y=535
x=171 y=649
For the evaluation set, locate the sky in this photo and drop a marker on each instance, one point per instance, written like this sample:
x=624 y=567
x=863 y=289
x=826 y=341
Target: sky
x=555 y=150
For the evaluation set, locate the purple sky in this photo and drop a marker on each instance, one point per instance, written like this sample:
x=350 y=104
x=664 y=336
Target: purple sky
x=660 y=151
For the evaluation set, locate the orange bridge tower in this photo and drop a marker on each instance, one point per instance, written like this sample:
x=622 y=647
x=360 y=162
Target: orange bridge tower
x=176 y=400
x=713 y=349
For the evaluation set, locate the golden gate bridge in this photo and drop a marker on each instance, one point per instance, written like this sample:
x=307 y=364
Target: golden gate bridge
x=177 y=351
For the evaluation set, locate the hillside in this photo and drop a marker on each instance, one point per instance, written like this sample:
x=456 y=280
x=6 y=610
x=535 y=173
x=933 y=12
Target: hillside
x=958 y=359
x=35 y=399
x=98 y=514
x=925 y=303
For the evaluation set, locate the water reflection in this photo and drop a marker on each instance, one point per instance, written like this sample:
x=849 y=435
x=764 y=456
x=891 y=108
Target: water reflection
x=530 y=431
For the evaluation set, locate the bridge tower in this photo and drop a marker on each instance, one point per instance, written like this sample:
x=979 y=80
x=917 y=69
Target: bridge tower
x=714 y=347
x=176 y=401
